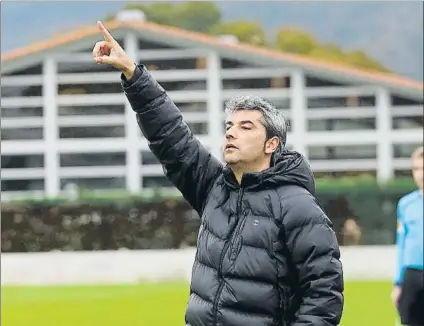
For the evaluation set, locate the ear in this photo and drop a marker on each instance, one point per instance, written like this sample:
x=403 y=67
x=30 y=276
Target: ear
x=271 y=145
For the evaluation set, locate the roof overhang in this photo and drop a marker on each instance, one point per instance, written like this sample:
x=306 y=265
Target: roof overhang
x=87 y=37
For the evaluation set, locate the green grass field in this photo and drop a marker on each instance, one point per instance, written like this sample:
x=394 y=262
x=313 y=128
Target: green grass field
x=367 y=304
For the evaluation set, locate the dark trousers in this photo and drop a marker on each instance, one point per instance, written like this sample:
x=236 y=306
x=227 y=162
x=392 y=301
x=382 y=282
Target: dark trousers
x=411 y=301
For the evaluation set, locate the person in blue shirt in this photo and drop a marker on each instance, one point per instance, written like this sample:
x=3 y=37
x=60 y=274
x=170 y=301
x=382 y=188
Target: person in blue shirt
x=408 y=290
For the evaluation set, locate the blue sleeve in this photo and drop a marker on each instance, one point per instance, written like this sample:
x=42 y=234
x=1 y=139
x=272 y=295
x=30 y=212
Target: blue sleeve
x=400 y=244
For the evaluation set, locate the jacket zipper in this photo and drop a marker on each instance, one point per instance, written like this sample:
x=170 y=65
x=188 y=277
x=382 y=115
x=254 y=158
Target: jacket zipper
x=221 y=259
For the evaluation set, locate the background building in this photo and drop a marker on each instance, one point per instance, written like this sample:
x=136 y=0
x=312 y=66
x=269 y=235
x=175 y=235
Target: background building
x=66 y=121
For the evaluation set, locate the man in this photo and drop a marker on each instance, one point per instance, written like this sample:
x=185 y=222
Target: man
x=408 y=292
x=266 y=254
x=351 y=232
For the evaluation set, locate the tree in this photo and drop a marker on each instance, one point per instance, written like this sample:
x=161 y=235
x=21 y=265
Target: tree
x=162 y=13
x=362 y=60
x=358 y=59
x=196 y=16
x=205 y=17
x=294 y=40
x=329 y=52
x=246 y=32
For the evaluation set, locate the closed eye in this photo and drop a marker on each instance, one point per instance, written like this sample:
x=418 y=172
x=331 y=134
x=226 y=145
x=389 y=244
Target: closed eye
x=242 y=126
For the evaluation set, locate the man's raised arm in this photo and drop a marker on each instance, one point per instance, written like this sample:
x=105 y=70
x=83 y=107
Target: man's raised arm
x=186 y=162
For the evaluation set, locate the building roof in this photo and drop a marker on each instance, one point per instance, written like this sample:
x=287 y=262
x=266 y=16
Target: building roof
x=246 y=52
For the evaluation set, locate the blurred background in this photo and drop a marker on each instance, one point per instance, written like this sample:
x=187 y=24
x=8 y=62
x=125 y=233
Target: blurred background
x=88 y=219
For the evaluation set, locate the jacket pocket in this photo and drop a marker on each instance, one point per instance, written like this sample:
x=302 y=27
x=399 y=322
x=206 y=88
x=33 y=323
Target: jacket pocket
x=284 y=278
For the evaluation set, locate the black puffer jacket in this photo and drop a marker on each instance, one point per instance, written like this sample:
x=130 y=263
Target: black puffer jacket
x=266 y=253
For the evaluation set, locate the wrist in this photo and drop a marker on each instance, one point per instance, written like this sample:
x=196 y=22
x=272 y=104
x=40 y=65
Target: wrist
x=128 y=70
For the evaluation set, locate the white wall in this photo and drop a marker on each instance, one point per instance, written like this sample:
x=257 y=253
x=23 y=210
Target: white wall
x=127 y=266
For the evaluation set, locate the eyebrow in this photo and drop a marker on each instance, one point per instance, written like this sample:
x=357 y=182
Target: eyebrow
x=240 y=123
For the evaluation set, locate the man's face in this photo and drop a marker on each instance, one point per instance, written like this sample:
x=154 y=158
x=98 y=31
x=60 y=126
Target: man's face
x=417 y=171
x=245 y=139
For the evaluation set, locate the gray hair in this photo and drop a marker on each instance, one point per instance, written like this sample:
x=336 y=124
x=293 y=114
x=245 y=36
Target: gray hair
x=275 y=123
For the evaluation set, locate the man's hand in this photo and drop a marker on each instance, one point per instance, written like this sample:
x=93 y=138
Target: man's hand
x=396 y=292
x=110 y=52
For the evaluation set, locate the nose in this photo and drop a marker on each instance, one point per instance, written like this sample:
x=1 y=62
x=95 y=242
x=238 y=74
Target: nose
x=229 y=134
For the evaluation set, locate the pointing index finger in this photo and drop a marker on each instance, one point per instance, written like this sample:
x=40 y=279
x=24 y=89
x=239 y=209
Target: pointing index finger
x=108 y=37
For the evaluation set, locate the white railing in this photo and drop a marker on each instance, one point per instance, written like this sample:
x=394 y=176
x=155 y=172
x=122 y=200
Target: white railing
x=298 y=97
x=88 y=120
x=407 y=111
x=160 y=75
x=19 y=81
x=21 y=102
x=22 y=174
x=110 y=145
x=77 y=145
x=157 y=54
x=407 y=136
x=90 y=171
x=87 y=172
x=119 y=119
x=24 y=122
x=344 y=165
x=156 y=170
x=341 y=113
x=113 y=145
